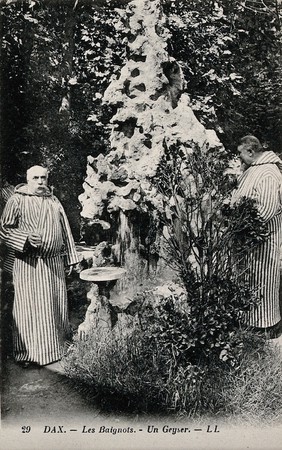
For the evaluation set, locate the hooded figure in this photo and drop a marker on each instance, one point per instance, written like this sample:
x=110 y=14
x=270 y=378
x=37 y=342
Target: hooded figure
x=35 y=226
x=261 y=181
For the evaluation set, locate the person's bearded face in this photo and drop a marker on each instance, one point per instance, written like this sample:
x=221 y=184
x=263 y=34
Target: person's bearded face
x=37 y=181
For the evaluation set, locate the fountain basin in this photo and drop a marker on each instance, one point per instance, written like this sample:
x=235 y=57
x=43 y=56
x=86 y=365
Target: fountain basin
x=96 y=274
x=85 y=252
x=84 y=248
x=99 y=313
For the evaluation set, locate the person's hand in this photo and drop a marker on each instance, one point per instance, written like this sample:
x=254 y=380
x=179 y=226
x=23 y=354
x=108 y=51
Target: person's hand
x=73 y=267
x=34 y=239
x=69 y=271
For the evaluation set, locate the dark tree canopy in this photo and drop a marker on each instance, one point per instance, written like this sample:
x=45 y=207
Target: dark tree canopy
x=230 y=53
x=58 y=58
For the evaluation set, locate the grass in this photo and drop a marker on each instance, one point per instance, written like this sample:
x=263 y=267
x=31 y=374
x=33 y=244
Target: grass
x=110 y=363
x=121 y=372
x=254 y=392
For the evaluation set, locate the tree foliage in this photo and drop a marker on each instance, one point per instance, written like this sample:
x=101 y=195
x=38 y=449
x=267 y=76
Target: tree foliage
x=230 y=52
x=58 y=57
x=54 y=73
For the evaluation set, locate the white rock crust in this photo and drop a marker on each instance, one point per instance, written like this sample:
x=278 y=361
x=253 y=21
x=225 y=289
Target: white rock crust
x=152 y=110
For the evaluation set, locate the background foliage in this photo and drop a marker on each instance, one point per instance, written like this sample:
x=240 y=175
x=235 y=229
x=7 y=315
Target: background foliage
x=58 y=57
x=231 y=57
x=57 y=60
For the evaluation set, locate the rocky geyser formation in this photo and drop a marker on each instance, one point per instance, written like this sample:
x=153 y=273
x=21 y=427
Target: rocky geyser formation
x=153 y=111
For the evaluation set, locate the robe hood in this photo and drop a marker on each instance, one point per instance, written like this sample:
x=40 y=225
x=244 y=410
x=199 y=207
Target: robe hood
x=24 y=190
x=268 y=157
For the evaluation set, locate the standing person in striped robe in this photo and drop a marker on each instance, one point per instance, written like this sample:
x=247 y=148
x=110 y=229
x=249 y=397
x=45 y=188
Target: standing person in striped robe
x=261 y=181
x=35 y=226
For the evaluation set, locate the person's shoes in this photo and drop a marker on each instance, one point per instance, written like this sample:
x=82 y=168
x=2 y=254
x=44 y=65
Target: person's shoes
x=277 y=345
x=24 y=364
x=55 y=367
x=28 y=364
x=277 y=342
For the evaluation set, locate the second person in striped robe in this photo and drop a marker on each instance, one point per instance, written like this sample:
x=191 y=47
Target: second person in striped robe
x=261 y=181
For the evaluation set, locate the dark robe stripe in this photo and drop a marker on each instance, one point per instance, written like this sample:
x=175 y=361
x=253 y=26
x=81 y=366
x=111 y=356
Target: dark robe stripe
x=263 y=183
x=40 y=306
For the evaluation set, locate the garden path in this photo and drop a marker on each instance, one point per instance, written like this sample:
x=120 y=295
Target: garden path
x=41 y=394
x=41 y=398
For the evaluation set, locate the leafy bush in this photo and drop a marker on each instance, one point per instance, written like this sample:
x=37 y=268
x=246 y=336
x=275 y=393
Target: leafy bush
x=208 y=240
x=130 y=371
x=185 y=352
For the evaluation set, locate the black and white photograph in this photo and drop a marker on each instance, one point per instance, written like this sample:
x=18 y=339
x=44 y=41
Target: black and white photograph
x=141 y=224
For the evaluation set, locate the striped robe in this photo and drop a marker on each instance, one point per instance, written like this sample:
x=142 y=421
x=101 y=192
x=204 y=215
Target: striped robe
x=262 y=182
x=40 y=319
x=8 y=254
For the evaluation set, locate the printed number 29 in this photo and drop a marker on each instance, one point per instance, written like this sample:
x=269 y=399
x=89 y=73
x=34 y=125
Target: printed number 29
x=26 y=429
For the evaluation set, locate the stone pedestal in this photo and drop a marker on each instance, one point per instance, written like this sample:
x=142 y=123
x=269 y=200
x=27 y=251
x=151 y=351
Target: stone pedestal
x=99 y=313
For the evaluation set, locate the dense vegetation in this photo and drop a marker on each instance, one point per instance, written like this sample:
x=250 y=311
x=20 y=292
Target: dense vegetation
x=189 y=351
x=134 y=374
x=230 y=52
x=58 y=58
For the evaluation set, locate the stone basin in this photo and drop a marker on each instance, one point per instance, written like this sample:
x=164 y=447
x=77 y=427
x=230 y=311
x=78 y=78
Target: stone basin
x=99 y=313
x=85 y=251
x=84 y=248
x=96 y=274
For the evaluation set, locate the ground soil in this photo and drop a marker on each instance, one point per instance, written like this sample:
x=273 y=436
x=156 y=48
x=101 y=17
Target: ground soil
x=38 y=393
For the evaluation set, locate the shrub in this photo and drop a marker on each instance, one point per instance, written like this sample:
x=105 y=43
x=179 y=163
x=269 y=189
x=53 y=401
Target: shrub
x=208 y=240
x=186 y=353
x=133 y=372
